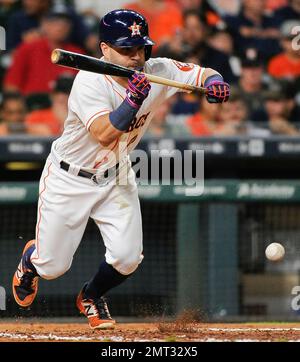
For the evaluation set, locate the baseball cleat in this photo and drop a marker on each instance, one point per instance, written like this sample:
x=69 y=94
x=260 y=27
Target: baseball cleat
x=25 y=280
x=96 y=311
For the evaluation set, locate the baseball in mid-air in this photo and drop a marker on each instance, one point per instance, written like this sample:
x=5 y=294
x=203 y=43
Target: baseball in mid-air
x=275 y=252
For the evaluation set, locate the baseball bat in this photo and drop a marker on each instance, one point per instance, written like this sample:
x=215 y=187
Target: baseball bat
x=95 y=65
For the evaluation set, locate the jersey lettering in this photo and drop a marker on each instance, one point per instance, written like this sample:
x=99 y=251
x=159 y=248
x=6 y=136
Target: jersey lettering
x=131 y=140
x=138 y=122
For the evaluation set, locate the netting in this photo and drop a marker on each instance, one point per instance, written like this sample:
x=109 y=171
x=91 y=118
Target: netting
x=152 y=290
x=228 y=246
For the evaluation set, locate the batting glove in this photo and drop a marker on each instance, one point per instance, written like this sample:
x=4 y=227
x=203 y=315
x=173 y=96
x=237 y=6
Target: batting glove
x=217 y=90
x=137 y=90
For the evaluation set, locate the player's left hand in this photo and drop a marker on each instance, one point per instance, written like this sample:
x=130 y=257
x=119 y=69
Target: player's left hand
x=217 y=91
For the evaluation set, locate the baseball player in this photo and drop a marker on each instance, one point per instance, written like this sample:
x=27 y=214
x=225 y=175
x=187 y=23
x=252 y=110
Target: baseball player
x=107 y=116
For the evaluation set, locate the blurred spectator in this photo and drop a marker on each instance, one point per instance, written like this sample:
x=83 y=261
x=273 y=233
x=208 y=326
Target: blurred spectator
x=35 y=101
x=7 y=8
x=164 y=18
x=24 y=25
x=98 y=7
x=251 y=84
x=253 y=28
x=91 y=11
x=278 y=111
x=185 y=41
x=225 y=7
x=32 y=70
x=292 y=92
x=185 y=5
x=272 y=5
x=228 y=119
x=178 y=48
x=287 y=64
x=167 y=124
x=221 y=40
x=288 y=90
x=289 y=12
x=158 y=126
x=235 y=121
x=193 y=34
x=50 y=121
x=13 y=111
x=191 y=42
x=204 y=8
x=205 y=122
x=186 y=103
x=195 y=37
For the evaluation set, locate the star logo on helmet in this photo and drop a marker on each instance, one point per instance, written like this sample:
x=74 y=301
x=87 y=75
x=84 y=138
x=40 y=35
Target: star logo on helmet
x=135 y=29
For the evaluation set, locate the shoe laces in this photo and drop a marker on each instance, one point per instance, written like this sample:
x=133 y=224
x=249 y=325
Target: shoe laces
x=102 y=308
x=27 y=281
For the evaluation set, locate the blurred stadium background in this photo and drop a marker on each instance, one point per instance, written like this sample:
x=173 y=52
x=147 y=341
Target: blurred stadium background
x=202 y=253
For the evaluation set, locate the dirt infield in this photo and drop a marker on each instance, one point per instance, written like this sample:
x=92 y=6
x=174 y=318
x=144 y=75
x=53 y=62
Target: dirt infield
x=169 y=331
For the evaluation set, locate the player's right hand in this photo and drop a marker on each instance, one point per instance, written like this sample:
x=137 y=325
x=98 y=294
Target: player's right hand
x=137 y=90
x=217 y=92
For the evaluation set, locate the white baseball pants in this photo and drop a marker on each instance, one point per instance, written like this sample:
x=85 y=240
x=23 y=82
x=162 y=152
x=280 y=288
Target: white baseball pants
x=65 y=204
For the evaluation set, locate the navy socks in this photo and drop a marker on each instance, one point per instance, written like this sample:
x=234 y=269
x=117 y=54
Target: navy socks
x=106 y=278
x=26 y=259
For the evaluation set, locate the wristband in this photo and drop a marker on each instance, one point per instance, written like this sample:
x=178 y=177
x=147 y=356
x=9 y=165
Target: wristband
x=121 y=117
x=213 y=78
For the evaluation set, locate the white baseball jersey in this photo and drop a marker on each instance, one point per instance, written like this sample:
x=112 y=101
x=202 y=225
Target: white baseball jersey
x=67 y=201
x=94 y=95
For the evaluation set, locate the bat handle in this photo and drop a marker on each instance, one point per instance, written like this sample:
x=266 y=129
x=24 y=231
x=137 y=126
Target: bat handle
x=173 y=83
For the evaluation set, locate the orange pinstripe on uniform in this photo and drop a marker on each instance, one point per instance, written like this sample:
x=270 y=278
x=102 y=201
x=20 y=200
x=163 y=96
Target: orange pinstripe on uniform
x=40 y=213
x=100 y=113
x=111 y=84
x=198 y=77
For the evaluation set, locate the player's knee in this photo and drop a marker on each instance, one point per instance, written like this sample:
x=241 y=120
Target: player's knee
x=53 y=270
x=127 y=264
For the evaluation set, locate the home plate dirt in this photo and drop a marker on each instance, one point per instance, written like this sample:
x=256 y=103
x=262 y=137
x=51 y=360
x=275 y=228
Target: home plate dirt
x=169 y=331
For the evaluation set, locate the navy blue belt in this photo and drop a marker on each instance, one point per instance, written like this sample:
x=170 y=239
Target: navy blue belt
x=66 y=166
